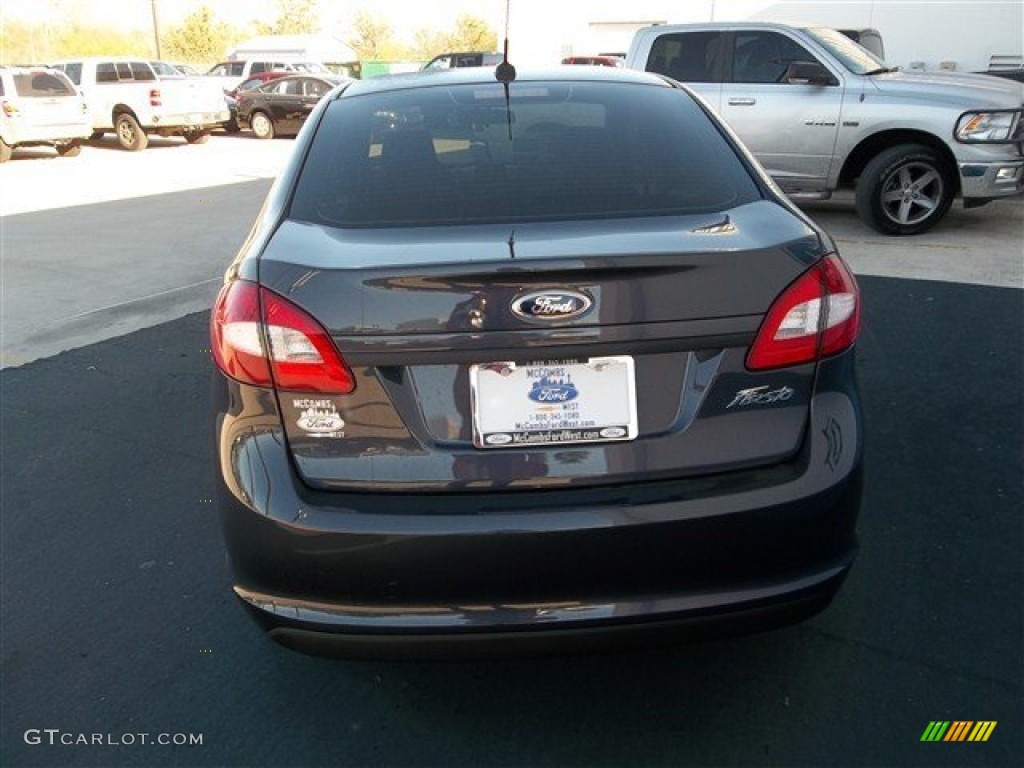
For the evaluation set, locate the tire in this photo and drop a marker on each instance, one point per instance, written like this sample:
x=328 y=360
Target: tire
x=231 y=126
x=196 y=137
x=129 y=133
x=905 y=190
x=96 y=135
x=69 y=149
x=261 y=125
x=6 y=150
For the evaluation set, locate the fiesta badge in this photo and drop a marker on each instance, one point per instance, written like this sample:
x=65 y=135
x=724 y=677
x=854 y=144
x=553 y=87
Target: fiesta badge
x=552 y=305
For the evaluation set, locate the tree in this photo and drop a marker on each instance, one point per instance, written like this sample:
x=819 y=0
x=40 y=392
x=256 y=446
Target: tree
x=22 y=43
x=371 y=36
x=201 y=38
x=294 y=17
x=469 y=34
x=26 y=43
x=472 y=33
x=429 y=42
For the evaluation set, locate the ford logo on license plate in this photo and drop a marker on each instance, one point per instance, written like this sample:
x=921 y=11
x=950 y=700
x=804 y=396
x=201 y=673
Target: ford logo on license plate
x=552 y=305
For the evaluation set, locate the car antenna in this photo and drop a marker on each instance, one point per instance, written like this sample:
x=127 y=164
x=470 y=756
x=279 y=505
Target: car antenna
x=505 y=73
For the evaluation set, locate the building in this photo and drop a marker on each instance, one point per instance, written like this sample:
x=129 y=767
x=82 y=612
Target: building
x=963 y=35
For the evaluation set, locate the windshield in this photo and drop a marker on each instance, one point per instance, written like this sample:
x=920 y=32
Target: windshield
x=164 y=70
x=854 y=57
x=459 y=155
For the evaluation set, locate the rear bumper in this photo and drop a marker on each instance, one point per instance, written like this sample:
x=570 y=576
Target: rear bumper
x=434 y=574
x=15 y=134
x=187 y=120
x=491 y=640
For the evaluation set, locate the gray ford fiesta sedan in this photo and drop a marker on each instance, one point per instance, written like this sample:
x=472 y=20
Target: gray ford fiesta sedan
x=532 y=365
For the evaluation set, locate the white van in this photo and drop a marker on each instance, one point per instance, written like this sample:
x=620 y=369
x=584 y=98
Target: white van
x=40 y=106
x=230 y=74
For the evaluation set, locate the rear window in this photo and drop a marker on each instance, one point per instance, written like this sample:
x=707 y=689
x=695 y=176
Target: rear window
x=689 y=57
x=106 y=73
x=456 y=154
x=141 y=71
x=42 y=85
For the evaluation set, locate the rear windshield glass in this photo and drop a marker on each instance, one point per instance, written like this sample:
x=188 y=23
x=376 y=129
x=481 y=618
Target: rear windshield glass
x=42 y=85
x=457 y=154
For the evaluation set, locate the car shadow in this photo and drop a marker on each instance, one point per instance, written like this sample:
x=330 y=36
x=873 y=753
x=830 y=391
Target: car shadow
x=34 y=153
x=155 y=142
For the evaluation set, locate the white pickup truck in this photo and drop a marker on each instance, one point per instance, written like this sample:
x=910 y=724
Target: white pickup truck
x=821 y=113
x=137 y=97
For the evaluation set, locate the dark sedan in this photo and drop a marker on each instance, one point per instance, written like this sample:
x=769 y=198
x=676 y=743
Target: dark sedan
x=280 y=107
x=533 y=364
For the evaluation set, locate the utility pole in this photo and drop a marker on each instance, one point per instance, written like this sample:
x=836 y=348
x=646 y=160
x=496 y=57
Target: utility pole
x=156 y=28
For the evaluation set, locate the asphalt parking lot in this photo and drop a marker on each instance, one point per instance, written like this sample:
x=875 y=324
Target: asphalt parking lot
x=117 y=616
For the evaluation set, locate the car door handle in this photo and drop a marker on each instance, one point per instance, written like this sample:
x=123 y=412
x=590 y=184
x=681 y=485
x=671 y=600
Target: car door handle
x=745 y=102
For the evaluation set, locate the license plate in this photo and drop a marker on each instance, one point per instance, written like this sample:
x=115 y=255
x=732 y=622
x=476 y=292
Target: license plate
x=518 y=405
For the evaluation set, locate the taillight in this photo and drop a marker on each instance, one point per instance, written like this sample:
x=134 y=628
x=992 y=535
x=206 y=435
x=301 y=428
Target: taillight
x=154 y=97
x=248 y=320
x=816 y=316
x=9 y=109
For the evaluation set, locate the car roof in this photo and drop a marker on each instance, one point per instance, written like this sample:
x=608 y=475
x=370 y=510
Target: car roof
x=335 y=79
x=485 y=75
x=468 y=53
x=106 y=58
x=21 y=68
x=719 y=26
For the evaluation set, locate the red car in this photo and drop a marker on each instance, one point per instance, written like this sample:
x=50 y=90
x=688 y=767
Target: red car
x=597 y=61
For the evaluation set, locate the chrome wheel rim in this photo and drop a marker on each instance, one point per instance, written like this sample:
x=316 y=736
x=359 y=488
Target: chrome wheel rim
x=260 y=125
x=913 y=193
x=125 y=132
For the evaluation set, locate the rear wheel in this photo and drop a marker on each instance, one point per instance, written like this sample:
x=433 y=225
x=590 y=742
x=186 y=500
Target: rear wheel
x=905 y=190
x=97 y=135
x=6 y=150
x=231 y=126
x=196 y=137
x=69 y=149
x=262 y=125
x=129 y=133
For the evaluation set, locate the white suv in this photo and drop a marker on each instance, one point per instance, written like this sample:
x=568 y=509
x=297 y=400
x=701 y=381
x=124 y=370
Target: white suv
x=40 y=106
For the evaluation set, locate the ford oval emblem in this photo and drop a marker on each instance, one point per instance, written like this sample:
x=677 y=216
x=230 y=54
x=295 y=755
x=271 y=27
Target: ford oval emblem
x=552 y=305
x=553 y=390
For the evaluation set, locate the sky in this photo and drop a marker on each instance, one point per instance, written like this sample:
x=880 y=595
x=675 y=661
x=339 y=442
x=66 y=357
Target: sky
x=405 y=15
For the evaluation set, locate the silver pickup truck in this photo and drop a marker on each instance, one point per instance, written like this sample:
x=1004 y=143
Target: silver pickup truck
x=821 y=113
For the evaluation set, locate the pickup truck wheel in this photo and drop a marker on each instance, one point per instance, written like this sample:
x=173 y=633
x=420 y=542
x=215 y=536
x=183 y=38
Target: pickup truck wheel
x=262 y=125
x=6 y=150
x=197 y=137
x=904 y=190
x=69 y=149
x=129 y=133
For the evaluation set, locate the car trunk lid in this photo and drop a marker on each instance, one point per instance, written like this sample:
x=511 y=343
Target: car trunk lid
x=680 y=298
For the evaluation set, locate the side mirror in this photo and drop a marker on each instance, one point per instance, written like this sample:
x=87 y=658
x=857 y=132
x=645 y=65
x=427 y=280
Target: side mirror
x=808 y=73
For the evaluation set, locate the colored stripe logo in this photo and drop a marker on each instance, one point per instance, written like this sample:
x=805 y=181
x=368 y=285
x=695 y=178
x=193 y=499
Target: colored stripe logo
x=958 y=730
